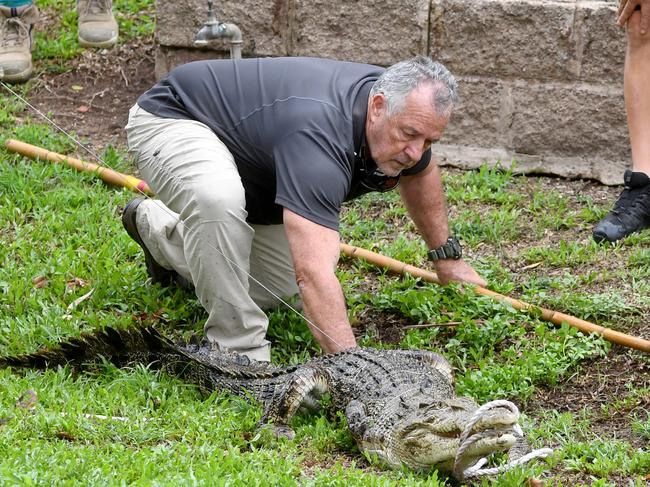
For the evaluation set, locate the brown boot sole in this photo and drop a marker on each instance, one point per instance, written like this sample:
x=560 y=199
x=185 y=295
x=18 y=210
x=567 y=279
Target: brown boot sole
x=17 y=77
x=99 y=45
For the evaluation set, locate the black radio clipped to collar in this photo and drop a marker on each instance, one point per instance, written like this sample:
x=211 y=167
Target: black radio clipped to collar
x=368 y=174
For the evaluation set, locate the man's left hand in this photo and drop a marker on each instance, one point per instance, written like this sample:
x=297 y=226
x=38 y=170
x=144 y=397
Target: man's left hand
x=627 y=7
x=457 y=270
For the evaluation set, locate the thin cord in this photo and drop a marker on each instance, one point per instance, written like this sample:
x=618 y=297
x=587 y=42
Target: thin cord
x=164 y=208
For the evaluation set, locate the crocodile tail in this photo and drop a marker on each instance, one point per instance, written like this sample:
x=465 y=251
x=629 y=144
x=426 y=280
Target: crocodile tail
x=119 y=346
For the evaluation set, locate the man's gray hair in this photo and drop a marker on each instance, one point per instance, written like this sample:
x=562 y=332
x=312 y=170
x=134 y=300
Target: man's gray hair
x=401 y=78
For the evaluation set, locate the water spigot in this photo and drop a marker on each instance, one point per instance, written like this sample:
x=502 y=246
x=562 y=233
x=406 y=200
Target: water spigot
x=213 y=29
x=210 y=30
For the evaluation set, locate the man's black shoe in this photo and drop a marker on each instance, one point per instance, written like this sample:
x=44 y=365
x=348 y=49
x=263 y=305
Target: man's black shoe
x=157 y=273
x=631 y=212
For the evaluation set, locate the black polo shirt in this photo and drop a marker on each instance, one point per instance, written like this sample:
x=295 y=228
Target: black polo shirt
x=293 y=126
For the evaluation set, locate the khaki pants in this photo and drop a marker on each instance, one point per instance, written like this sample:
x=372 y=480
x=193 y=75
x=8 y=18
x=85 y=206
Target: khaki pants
x=198 y=228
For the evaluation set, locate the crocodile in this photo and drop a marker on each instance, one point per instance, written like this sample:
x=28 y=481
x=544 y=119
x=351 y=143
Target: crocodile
x=400 y=405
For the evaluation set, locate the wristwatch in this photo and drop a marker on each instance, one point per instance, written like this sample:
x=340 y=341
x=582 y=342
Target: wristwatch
x=450 y=250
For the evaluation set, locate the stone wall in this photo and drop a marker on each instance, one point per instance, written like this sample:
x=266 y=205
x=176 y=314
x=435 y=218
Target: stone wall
x=541 y=82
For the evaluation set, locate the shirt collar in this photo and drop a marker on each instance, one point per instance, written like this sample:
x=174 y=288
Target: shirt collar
x=359 y=113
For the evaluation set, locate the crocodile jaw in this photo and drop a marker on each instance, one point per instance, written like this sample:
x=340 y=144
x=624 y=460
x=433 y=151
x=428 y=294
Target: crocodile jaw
x=430 y=439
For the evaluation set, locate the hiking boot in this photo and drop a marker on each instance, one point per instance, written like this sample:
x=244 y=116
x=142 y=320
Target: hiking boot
x=157 y=273
x=17 y=42
x=97 y=25
x=631 y=212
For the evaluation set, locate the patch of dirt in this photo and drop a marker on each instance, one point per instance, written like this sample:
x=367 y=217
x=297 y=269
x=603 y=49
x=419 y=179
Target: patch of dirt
x=93 y=98
x=597 y=388
x=380 y=326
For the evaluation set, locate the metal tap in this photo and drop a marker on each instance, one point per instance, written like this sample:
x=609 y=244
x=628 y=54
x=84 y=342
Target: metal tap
x=213 y=29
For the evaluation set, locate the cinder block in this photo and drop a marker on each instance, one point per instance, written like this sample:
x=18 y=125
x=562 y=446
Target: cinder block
x=263 y=24
x=479 y=117
x=568 y=120
x=167 y=58
x=528 y=39
x=380 y=32
x=601 y=43
x=606 y=171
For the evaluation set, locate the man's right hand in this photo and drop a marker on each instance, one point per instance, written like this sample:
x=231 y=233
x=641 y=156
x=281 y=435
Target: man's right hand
x=627 y=7
x=449 y=270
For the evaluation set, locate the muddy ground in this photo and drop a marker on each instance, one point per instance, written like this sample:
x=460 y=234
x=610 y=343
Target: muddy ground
x=93 y=98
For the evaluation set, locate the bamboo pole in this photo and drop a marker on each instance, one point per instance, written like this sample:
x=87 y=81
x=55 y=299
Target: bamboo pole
x=140 y=186
x=555 y=317
x=108 y=175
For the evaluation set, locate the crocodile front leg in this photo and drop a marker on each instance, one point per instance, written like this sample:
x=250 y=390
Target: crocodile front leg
x=369 y=437
x=358 y=423
x=278 y=413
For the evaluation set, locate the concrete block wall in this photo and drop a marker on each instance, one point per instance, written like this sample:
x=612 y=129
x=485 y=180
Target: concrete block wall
x=541 y=82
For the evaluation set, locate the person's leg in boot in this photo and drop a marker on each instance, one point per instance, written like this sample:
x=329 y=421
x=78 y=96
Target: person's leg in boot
x=631 y=212
x=200 y=231
x=97 y=26
x=17 y=19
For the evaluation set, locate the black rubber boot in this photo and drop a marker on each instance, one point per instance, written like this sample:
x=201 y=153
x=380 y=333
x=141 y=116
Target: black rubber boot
x=157 y=273
x=631 y=212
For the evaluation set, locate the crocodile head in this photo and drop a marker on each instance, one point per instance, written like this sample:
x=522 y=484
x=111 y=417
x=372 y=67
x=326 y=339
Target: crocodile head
x=429 y=437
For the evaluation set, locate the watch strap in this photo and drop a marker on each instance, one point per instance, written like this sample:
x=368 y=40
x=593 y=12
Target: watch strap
x=450 y=250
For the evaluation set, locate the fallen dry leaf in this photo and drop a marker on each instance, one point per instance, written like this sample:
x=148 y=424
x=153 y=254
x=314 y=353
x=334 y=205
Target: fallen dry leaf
x=74 y=283
x=39 y=282
x=79 y=300
x=64 y=435
x=83 y=108
x=27 y=400
x=144 y=316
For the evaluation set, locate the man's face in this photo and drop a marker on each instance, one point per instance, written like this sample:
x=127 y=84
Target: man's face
x=397 y=143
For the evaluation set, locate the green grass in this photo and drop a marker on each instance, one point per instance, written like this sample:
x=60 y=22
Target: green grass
x=60 y=238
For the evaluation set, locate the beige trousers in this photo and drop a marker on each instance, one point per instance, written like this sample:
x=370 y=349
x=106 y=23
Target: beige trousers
x=198 y=228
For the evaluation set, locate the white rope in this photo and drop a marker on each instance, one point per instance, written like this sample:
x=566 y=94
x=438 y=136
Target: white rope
x=476 y=471
x=164 y=208
x=466 y=441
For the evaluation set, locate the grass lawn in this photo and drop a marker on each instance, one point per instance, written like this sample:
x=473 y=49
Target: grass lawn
x=67 y=266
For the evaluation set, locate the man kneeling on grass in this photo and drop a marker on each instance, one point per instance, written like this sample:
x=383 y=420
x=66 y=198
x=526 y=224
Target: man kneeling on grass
x=252 y=160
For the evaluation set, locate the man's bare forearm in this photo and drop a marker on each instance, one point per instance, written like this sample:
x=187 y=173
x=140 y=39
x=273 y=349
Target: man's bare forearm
x=315 y=250
x=324 y=306
x=424 y=198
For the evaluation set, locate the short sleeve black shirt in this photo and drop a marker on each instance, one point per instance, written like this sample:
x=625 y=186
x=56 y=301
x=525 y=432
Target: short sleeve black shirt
x=288 y=122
